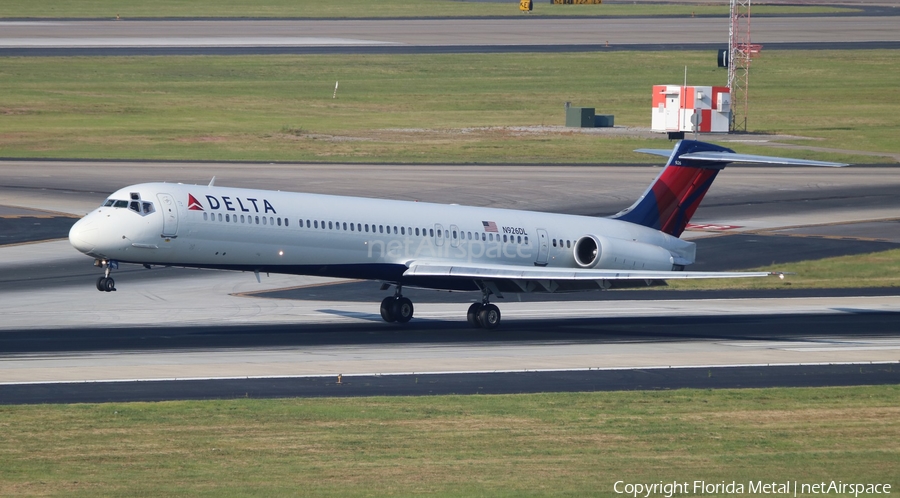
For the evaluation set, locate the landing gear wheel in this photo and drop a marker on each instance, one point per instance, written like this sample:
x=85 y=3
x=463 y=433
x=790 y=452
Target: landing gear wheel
x=106 y=284
x=489 y=316
x=472 y=315
x=387 y=309
x=402 y=310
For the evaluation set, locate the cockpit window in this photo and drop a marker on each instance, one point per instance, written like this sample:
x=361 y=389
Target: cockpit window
x=140 y=207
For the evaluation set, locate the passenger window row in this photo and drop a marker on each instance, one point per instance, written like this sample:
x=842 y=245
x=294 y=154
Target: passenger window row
x=562 y=243
x=366 y=228
x=419 y=232
x=247 y=220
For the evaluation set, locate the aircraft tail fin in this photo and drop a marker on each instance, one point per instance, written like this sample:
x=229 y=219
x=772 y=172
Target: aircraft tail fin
x=673 y=197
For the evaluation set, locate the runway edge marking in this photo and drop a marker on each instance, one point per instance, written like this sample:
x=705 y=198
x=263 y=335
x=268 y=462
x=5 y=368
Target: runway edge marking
x=465 y=372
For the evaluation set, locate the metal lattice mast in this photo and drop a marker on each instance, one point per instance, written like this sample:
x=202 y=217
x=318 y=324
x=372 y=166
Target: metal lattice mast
x=739 y=47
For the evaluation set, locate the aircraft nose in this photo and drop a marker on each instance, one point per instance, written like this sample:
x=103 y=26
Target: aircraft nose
x=83 y=235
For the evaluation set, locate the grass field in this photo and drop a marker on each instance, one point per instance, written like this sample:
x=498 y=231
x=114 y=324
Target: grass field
x=524 y=445
x=879 y=269
x=357 y=9
x=411 y=108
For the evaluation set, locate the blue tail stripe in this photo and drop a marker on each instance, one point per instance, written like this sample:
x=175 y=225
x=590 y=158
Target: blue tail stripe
x=646 y=213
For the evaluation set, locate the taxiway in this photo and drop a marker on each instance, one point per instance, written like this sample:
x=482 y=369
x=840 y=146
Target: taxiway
x=530 y=34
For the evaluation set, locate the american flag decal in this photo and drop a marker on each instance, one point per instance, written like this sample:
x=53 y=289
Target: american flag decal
x=489 y=226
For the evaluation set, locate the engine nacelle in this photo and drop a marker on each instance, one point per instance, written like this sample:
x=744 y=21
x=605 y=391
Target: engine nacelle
x=595 y=251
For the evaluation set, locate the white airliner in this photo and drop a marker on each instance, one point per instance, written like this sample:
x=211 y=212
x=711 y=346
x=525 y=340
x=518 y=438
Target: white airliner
x=417 y=244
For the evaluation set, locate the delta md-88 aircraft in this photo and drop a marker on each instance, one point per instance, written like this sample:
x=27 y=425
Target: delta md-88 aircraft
x=414 y=244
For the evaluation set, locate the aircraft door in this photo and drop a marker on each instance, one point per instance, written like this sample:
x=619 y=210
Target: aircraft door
x=543 y=241
x=438 y=234
x=454 y=235
x=170 y=215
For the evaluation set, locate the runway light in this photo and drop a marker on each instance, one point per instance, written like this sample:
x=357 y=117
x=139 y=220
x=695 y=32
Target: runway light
x=781 y=276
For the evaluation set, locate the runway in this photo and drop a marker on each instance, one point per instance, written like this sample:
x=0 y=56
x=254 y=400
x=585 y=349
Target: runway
x=458 y=383
x=225 y=346
x=442 y=35
x=309 y=338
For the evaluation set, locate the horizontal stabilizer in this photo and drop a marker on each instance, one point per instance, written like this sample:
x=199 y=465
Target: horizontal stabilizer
x=733 y=157
x=655 y=152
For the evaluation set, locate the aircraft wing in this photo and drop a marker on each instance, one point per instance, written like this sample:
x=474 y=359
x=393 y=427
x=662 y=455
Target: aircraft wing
x=509 y=272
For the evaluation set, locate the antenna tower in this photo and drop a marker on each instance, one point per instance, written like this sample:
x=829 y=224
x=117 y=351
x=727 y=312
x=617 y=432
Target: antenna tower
x=739 y=51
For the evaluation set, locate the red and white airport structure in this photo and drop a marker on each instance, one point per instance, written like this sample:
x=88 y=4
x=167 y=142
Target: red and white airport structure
x=674 y=106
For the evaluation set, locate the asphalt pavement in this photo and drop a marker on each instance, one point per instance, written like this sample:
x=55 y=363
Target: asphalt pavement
x=456 y=384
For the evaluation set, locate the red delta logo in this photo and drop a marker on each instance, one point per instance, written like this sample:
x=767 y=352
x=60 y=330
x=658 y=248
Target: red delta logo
x=194 y=204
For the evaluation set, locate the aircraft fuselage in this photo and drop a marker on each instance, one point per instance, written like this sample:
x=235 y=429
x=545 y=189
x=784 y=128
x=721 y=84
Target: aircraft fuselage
x=349 y=237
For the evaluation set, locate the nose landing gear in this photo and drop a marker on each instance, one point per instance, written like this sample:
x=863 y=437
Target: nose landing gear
x=106 y=283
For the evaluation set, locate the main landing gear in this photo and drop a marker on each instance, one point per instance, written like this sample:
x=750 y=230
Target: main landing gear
x=483 y=314
x=399 y=309
x=396 y=308
x=105 y=283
